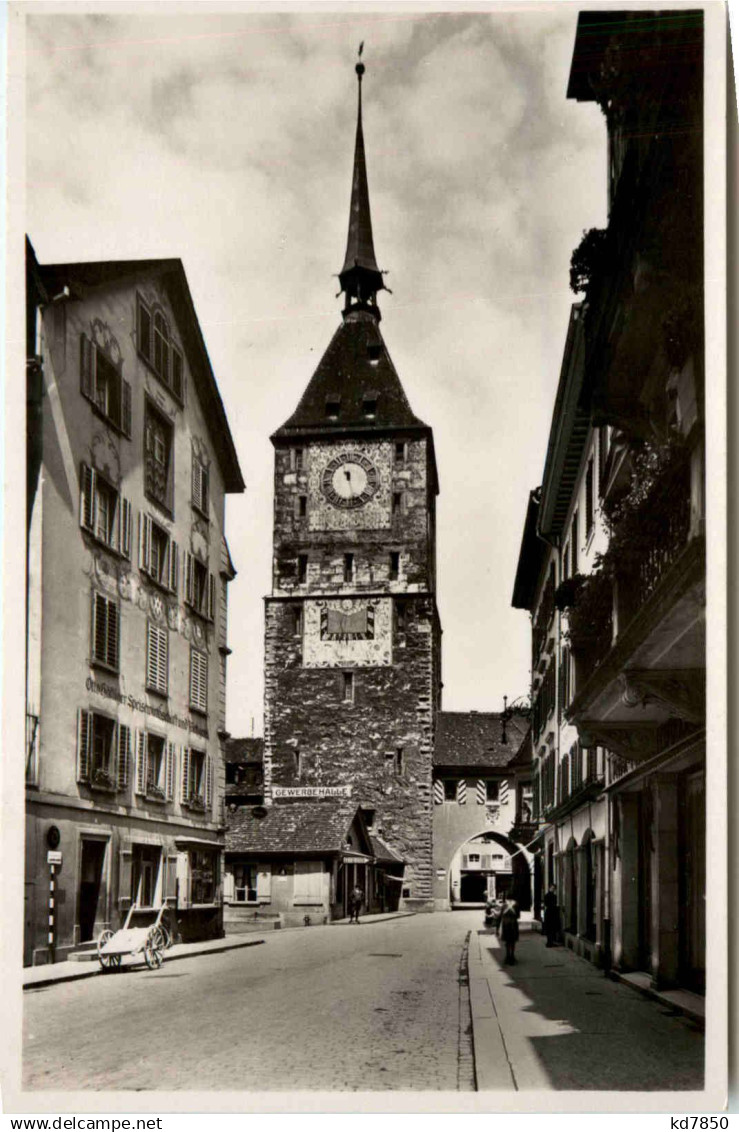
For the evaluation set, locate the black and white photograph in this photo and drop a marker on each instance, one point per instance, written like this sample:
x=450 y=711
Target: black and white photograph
x=372 y=552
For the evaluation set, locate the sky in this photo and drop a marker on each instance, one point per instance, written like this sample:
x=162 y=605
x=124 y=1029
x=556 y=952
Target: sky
x=227 y=140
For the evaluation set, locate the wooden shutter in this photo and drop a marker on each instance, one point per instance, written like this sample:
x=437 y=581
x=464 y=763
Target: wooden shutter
x=197 y=495
x=185 y=780
x=170 y=880
x=189 y=579
x=211 y=597
x=124 y=755
x=126 y=519
x=144 y=542
x=112 y=641
x=438 y=792
x=86 y=365
x=84 y=728
x=126 y=408
x=174 y=566
x=169 y=772
x=141 y=759
x=198 y=680
x=87 y=498
x=124 y=878
x=156 y=658
x=462 y=792
x=208 y=786
x=177 y=372
x=264 y=882
x=183 y=880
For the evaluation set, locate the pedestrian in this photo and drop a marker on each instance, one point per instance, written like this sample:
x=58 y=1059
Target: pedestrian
x=356 y=899
x=509 y=930
x=551 y=916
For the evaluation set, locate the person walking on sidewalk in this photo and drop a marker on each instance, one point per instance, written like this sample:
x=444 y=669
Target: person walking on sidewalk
x=356 y=899
x=509 y=930
x=551 y=916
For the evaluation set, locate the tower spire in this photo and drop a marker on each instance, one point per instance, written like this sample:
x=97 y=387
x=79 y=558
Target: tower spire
x=360 y=277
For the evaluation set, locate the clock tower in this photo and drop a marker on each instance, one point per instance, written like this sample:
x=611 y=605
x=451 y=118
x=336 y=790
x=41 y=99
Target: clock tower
x=353 y=640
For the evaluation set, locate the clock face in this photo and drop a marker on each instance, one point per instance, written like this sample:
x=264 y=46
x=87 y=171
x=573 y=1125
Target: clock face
x=349 y=480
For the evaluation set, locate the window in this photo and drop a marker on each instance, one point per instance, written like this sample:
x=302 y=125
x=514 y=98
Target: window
x=399 y=761
x=574 y=549
x=369 y=407
x=348 y=687
x=492 y=790
x=298 y=763
x=199 y=486
x=158 y=554
x=400 y=617
x=105 y=631
x=394 y=565
x=157 y=658
x=348 y=567
x=302 y=506
x=297 y=619
x=302 y=568
x=202 y=876
x=158 y=458
x=198 y=681
x=200 y=587
x=400 y=452
x=102 y=384
x=154 y=342
x=296 y=460
x=333 y=406
x=196 y=782
x=450 y=789
x=155 y=766
x=589 y=499
x=397 y=502
x=103 y=751
x=104 y=513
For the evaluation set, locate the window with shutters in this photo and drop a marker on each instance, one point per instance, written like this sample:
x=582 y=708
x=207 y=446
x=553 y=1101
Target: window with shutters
x=155 y=767
x=492 y=790
x=199 y=486
x=156 y=345
x=196 y=780
x=158 y=554
x=103 y=385
x=105 y=632
x=104 y=513
x=198 y=681
x=203 y=876
x=200 y=586
x=157 y=658
x=158 y=458
x=97 y=751
x=450 y=789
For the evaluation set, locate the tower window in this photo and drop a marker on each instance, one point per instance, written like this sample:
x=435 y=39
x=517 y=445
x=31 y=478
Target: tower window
x=400 y=452
x=348 y=687
x=302 y=506
x=297 y=619
x=298 y=762
x=397 y=502
x=297 y=459
x=399 y=761
x=400 y=617
x=374 y=350
x=369 y=406
x=348 y=567
x=333 y=405
x=302 y=567
x=394 y=565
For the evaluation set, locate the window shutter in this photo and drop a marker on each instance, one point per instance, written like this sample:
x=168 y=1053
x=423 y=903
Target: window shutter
x=486 y=862
x=126 y=410
x=170 y=881
x=144 y=542
x=196 y=492
x=156 y=658
x=124 y=755
x=126 y=520
x=462 y=792
x=177 y=372
x=185 y=780
x=124 y=878
x=112 y=642
x=169 y=772
x=211 y=597
x=87 y=498
x=198 y=680
x=174 y=566
x=85 y=366
x=83 y=746
x=141 y=762
x=189 y=579
x=264 y=882
x=208 y=789
x=438 y=792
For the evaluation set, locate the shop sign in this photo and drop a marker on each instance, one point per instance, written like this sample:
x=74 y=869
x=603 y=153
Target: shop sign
x=54 y=857
x=110 y=692
x=311 y=791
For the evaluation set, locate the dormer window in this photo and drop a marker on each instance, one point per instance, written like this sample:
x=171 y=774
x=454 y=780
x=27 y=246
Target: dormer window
x=369 y=406
x=373 y=353
x=333 y=405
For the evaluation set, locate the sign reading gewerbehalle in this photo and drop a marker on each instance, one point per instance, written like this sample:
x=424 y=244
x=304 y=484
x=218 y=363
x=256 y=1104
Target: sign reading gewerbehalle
x=311 y=791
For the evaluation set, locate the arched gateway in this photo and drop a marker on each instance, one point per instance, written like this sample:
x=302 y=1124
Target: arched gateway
x=490 y=864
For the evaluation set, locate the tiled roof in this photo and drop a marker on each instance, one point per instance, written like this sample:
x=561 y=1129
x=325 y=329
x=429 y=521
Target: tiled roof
x=348 y=372
x=291 y=827
x=473 y=738
x=382 y=851
x=244 y=750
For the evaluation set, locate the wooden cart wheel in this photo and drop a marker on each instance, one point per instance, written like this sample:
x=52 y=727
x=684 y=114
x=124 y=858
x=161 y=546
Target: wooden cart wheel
x=152 y=954
x=162 y=938
x=106 y=961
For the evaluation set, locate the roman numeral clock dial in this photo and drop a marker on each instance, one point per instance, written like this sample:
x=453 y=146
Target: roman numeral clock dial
x=349 y=480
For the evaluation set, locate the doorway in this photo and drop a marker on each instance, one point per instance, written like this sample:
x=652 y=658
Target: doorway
x=92 y=860
x=146 y=862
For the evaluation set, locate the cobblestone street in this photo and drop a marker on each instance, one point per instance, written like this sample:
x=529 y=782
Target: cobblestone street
x=375 y=1007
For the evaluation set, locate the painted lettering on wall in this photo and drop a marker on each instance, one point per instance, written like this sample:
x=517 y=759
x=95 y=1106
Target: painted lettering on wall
x=311 y=791
x=110 y=692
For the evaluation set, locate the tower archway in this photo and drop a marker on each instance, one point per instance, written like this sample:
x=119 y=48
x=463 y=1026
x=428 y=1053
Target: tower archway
x=487 y=864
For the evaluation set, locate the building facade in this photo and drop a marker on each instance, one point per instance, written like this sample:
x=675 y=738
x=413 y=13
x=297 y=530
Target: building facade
x=618 y=630
x=130 y=459
x=352 y=636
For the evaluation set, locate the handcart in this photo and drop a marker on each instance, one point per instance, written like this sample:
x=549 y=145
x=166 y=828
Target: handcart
x=150 y=939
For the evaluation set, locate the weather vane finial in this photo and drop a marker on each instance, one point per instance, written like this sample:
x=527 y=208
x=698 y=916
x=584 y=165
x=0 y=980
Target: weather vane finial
x=360 y=66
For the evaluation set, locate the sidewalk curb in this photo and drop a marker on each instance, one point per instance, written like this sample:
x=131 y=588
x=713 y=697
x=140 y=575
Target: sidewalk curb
x=84 y=973
x=492 y=1065
x=664 y=998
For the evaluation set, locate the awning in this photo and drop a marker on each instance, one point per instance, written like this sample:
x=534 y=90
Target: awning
x=197 y=843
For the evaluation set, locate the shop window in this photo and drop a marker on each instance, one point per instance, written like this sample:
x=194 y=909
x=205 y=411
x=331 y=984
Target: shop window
x=157 y=658
x=104 y=513
x=105 y=632
x=198 y=681
x=199 y=587
x=103 y=385
x=158 y=458
x=202 y=876
x=199 y=486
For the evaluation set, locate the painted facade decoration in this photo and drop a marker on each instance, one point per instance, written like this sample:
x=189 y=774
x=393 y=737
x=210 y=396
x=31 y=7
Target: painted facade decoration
x=348 y=632
x=366 y=467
